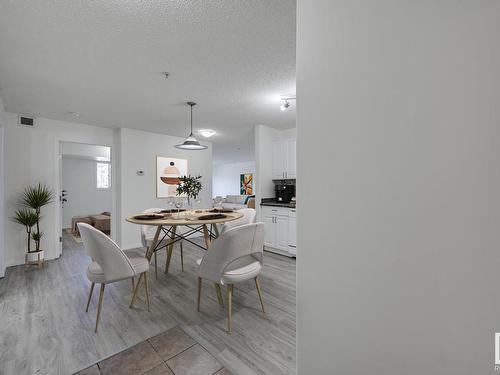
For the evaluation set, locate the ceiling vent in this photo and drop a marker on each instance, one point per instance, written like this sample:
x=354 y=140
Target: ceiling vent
x=26 y=120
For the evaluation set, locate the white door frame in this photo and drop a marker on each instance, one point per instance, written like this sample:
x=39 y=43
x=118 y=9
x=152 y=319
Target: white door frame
x=58 y=187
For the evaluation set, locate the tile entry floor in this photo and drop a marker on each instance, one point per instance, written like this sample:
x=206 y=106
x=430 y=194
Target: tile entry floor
x=170 y=353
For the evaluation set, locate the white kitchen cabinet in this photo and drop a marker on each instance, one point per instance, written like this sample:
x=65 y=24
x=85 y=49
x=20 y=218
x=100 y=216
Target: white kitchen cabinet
x=291 y=158
x=270 y=235
x=280 y=229
x=292 y=232
x=281 y=224
x=284 y=159
x=279 y=159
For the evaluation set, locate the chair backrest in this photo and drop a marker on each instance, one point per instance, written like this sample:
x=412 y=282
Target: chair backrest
x=248 y=218
x=148 y=231
x=235 y=247
x=103 y=250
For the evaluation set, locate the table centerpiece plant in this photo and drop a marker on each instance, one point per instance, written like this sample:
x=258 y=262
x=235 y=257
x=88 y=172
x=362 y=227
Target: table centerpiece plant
x=190 y=186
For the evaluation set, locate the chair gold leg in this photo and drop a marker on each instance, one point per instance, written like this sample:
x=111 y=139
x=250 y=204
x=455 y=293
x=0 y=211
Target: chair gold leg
x=147 y=288
x=219 y=294
x=257 y=285
x=199 y=292
x=182 y=258
x=229 y=306
x=156 y=267
x=90 y=296
x=99 y=307
x=134 y=296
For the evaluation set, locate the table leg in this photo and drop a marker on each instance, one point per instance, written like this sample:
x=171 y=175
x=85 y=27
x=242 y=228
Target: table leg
x=206 y=235
x=170 y=248
x=217 y=286
x=151 y=249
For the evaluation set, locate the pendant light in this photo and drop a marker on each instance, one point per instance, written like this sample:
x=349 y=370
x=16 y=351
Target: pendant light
x=191 y=143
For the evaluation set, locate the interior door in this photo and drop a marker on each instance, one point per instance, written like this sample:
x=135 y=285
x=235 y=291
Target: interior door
x=60 y=208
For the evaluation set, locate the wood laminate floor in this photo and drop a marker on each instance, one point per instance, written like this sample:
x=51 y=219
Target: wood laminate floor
x=44 y=328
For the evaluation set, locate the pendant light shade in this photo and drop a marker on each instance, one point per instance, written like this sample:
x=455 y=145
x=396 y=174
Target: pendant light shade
x=191 y=143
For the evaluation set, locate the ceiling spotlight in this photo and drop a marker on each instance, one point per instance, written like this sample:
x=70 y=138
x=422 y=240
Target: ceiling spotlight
x=207 y=133
x=76 y=114
x=285 y=105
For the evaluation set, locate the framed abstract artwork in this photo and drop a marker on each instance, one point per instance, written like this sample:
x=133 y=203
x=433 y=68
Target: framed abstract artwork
x=246 y=184
x=168 y=171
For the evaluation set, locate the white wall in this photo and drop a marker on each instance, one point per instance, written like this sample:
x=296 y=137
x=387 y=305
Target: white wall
x=2 y=189
x=226 y=177
x=79 y=180
x=138 y=151
x=30 y=157
x=398 y=113
x=264 y=137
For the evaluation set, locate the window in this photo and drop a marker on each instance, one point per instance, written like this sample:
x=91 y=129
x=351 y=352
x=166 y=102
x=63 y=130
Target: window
x=103 y=175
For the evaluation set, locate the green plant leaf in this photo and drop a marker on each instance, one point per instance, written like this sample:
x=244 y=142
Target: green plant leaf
x=36 y=196
x=26 y=217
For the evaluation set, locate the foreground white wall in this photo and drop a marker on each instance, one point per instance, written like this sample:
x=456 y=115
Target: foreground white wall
x=2 y=189
x=226 y=177
x=30 y=157
x=79 y=180
x=138 y=151
x=399 y=118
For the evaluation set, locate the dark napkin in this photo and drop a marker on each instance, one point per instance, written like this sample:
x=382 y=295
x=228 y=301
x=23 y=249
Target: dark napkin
x=211 y=217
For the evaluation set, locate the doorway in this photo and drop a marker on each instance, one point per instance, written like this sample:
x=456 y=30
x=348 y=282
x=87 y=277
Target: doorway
x=86 y=188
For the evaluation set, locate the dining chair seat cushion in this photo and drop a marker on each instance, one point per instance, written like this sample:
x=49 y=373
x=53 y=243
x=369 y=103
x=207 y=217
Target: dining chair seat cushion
x=139 y=263
x=95 y=273
x=239 y=274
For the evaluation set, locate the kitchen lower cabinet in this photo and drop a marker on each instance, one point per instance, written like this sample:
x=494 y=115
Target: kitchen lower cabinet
x=280 y=228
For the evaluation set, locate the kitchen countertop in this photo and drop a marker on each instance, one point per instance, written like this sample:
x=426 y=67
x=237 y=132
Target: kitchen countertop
x=272 y=202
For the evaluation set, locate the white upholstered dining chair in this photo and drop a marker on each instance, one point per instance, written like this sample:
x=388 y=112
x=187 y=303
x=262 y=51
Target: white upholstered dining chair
x=110 y=264
x=247 y=218
x=235 y=256
x=147 y=234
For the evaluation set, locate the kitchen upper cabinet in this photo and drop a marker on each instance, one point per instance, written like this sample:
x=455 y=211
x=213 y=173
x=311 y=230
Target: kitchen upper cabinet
x=291 y=156
x=284 y=159
x=279 y=159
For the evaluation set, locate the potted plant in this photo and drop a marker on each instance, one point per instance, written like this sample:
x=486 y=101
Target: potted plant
x=190 y=186
x=28 y=218
x=34 y=198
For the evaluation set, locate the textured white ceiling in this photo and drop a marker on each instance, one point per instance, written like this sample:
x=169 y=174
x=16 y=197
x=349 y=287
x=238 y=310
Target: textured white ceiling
x=104 y=59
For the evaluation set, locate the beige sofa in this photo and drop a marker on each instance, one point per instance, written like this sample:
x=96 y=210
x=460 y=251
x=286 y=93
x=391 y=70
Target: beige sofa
x=236 y=202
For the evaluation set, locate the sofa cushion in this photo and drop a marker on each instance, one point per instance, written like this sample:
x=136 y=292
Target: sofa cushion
x=237 y=199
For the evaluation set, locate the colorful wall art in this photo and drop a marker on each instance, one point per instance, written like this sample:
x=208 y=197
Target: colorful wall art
x=246 y=184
